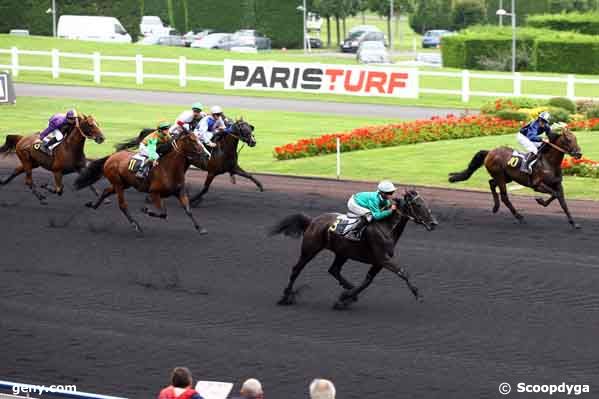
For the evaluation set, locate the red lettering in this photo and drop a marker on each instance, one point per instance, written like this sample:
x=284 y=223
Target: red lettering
x=353 y=87
x=377 y=81
x=397 y=79
x=333 y=73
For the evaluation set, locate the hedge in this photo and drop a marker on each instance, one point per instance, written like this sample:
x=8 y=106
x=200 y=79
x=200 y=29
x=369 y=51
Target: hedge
x=587 y=23
x=488 y=47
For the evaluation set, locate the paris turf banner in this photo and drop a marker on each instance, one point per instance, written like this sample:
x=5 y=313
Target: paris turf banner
x=354 y=80
x=7 y=91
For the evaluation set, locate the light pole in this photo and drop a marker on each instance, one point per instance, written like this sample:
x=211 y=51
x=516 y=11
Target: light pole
x=391 y=27
x=52 y=11
x=501 y=12
x=304 y=10
x=500 y=16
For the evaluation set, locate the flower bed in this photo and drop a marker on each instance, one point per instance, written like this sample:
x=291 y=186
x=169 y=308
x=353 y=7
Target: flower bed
x=434 y=129
x=587 y=124
x=581 y=167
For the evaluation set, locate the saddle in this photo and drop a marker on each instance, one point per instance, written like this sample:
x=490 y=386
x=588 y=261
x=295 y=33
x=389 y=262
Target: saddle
x=518 y=161
x=344 y=225
x=42 y=145
x=138 y=164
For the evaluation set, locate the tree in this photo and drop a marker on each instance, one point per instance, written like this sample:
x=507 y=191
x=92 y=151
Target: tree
x=383 y=8
x=468 y=12
x=431 y=14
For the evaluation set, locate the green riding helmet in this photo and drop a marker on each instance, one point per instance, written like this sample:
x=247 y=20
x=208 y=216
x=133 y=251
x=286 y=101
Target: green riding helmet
x=197 y=106
x=164 y=125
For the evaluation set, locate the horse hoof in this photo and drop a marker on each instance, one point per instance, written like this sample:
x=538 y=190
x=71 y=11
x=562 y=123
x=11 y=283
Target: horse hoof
x=89 y=204
x=341 y=305
x=419 y=298
x=576 y=226
x=286 y=301
x=540 y=201
x=495 y=209
x=202 y=231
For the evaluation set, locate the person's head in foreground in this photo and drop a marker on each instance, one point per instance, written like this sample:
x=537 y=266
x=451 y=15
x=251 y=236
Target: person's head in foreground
x=322 y=389
x=251 y=389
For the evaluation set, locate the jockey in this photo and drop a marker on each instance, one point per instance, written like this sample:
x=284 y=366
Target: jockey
x=149 y=144
x=188 y=120
x=55 y=125
x=529 y=137
x=213 y=123
x=370 y=206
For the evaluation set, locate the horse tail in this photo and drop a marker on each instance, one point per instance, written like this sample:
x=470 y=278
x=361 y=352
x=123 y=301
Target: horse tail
x=133 y=142
x=10 y=144
x=293 y=226
x=477 y=161
x=91 y=174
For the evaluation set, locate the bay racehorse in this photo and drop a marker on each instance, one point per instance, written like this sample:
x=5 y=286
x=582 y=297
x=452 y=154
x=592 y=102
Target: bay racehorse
x=224 y=157
x=68 y=157
x=546 y=177
x=165 y=179
x=376 y=247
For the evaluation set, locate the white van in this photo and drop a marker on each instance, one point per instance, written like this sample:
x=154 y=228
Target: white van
x=84 y=27
x=152 y=25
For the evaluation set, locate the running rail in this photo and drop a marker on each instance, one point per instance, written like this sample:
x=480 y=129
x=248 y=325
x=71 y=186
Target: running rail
x=58 y=393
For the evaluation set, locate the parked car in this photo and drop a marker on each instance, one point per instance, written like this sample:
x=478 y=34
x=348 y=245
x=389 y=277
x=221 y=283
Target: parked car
x=191 y=37
x=171 y=40
x=250 y=38
x=315 y=42
x=155 y=38
x=373 y=52
x=363 y=28
x=212 y=41
x=432 y=38
x=84 y=27
x=19 y=32
x=352 y=43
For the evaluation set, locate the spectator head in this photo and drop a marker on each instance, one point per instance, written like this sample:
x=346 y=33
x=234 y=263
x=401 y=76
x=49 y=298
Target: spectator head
x=181 y=377
x=322 y=389
x=252 y=388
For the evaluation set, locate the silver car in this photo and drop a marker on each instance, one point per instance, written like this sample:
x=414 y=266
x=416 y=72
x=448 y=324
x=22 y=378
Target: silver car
x=373 y=52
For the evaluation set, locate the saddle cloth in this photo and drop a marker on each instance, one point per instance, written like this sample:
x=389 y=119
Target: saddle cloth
x=344 y=224
x=136 y=162
x=518 y=161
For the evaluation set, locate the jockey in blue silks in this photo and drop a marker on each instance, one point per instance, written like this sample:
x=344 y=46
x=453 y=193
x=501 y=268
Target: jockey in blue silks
x=211 y=124
x=529 y=137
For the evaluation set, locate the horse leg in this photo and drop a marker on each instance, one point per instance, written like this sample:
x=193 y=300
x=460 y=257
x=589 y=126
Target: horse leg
x=238 y=171
x=184 y=201
x=562 y=201
x=232 y=177
x=505 y=199
x=29 y=182
x=158 y=204
x=14 y=174
x=546 y=202
x=108 y=191
x=308 y=253
x=404 y=275
x=335 y=271
x=123 y=207
x=58 y=186
x=197 y=199
x=493 y=185
x=348 y=297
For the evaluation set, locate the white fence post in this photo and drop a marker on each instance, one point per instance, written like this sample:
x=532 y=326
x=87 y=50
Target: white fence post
x=338 y=158
x=182 y=71
x=139 y=69
x=570 y=92
x=55 y=63
x=14 y=57
x=97 y=60
x=465 y=85
x=517 y=84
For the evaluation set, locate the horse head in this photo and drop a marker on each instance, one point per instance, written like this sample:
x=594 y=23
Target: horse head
x=188 y=144
x=89 y=128
x=415 y=208
x=244 y=131
x=567 y=141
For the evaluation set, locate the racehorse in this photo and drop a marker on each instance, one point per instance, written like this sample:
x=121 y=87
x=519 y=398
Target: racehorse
x=224 y=158
x=165 y=179
x=376 y=247
x=67 y=158
x=546 y=177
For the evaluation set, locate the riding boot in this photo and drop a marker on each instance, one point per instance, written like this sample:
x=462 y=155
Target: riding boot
x=48 y=144
x=355 y=234
x=531 y=158
x=143 y=172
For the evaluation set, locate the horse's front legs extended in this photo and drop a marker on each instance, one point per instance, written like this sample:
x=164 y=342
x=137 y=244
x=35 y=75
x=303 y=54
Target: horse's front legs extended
x=349 y=296
x=158 y=204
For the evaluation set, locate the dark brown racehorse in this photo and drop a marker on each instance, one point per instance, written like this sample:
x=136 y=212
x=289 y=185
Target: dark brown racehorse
x=224 y=158
x=67 y=158
x=376 y=248
x=165 y=179
x=546 y=177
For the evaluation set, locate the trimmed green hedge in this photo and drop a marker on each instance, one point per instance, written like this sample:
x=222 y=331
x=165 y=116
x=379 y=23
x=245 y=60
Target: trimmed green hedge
x=543 y=50
x=587 y=23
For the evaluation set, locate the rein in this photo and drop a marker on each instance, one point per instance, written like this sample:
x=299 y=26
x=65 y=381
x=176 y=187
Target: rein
x=556 y=147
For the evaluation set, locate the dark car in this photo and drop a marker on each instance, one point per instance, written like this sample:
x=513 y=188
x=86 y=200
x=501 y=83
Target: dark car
x=432 y=38
x=352 y=43
x=315 y=42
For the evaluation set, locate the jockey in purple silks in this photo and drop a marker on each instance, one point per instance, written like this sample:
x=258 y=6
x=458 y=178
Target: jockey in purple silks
x=56 y=125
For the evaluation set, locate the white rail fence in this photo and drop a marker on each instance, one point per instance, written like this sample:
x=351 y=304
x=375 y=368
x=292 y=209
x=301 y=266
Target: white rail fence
x=183 y=77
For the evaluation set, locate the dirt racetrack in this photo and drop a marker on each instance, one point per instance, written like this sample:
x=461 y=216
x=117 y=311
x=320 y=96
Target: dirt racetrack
x=95 y=305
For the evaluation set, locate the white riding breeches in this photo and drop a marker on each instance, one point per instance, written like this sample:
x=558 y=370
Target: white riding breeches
x=525 y=142
x=357 y=210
